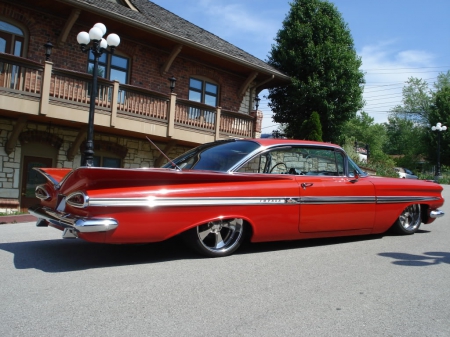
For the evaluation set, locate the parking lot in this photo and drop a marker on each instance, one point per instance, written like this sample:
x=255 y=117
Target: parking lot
x=363 y=286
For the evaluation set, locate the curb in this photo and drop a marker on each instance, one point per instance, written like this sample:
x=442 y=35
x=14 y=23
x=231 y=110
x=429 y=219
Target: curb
x=11 y=219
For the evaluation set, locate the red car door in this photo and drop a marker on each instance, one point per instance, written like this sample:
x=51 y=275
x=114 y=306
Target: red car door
x=335 y=203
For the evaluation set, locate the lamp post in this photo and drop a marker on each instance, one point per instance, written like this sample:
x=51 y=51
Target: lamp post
x=257 y=99
x=439 y=128
x=172 y=81
x=98 y=47
x=48 y=50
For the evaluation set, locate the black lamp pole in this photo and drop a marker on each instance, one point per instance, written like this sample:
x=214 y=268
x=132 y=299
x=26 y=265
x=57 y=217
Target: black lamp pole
x=257 y=99
x=99 y=46
x=439 y=128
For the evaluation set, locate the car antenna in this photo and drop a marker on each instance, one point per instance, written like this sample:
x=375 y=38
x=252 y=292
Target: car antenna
x=170 y=160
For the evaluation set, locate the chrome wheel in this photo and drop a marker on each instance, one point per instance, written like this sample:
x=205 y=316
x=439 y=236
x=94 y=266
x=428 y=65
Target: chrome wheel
x=409 y=221
x=217 y=238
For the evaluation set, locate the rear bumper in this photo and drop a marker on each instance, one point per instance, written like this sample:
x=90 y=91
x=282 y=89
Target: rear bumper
x=436 y=214
x=72 y=225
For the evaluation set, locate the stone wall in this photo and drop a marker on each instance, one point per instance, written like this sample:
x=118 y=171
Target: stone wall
x=140 y=153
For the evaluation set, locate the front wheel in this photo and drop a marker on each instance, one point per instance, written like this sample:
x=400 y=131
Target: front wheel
x=216 y=238
x=409 y=221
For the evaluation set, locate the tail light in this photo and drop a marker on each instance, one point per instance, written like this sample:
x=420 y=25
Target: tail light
x=78 y=200
x=42 y=193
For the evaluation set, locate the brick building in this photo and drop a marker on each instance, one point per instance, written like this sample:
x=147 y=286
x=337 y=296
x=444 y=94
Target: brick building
x=44 y=104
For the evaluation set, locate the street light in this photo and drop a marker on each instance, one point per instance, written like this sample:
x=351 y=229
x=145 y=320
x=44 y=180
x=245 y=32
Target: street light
x=439 y=128
x=48 y=50
x=98 y=47
x=257 y=99
x=172 y=81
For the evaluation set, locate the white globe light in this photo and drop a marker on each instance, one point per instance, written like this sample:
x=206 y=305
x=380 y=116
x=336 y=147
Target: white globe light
x=433 y=128
x=102 y=27
x=95 y=34
x=438 y=125
x=113 y=40
x=83 y=38
x=103 y=44
x=444 y=128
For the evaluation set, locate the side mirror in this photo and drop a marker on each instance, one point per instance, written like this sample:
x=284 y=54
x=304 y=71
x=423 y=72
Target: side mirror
x=356 y=176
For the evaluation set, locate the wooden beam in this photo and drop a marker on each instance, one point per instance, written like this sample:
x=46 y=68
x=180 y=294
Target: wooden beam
x=258 y=87
x=246 y=84
x=173 y=54
x=17 y=129
x=68 y=26
x=76 y=144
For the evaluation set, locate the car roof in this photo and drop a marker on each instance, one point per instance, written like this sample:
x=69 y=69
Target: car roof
x=278 y=141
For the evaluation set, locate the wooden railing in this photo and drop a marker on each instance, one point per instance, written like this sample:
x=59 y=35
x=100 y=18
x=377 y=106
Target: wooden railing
x=52 y=85
x=18 y=74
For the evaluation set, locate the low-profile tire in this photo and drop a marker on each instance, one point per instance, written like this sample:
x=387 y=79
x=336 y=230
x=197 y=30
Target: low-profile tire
x=216 y=238
x=409 y=221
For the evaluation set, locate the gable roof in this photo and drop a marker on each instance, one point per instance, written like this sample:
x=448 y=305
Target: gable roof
x=159 y=20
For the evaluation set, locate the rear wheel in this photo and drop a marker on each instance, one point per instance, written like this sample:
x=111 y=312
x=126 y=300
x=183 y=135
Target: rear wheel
x=216 y=238
x=409 y=221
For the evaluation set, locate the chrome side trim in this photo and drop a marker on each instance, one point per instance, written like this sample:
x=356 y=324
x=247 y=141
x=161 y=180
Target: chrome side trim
x=393 y=199
x=243 y=201
x=338 y=200
x=154 y=202
x=72 y=222
x=436 y=214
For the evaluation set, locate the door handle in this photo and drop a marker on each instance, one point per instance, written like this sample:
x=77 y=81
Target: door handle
x=305 y=185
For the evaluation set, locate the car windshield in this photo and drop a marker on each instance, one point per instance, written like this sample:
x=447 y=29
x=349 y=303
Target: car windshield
x=217 y=156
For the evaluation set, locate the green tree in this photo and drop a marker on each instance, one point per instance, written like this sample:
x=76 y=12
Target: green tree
x=362 y=129
x=440 y=113
x=417 y=100
x=406 y=140
x=443 y=80
x=311 y=128
x=316 y=49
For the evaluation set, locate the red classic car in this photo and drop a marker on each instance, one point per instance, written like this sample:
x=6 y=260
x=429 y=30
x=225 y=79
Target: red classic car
x=221 y=193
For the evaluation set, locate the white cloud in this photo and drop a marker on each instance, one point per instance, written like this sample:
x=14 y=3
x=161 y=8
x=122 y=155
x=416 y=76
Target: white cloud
x=229 y=20
x=386 y=69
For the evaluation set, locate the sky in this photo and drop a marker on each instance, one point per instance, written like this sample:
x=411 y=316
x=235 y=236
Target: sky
x=396 y=39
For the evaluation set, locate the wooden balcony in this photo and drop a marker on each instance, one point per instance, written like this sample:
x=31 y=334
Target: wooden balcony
x=27 y=87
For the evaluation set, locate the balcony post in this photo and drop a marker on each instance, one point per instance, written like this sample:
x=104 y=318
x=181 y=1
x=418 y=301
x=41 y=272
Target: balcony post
x=171 y=115
x=114 y=99
x=45 y=89
x=217 y=135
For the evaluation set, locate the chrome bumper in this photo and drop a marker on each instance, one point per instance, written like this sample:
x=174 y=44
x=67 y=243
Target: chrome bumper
x=436 y=214
x=71 y=224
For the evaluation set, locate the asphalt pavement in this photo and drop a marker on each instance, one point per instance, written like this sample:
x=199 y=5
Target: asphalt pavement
x=380 y=285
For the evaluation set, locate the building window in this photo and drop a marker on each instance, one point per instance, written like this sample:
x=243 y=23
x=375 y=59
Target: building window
x=203 y=92
x=112 y=67
x=11 y=39
x=105 y=160
x=11 y=42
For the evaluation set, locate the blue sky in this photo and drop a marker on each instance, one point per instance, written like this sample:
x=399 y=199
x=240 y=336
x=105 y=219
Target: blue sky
x=396 y=39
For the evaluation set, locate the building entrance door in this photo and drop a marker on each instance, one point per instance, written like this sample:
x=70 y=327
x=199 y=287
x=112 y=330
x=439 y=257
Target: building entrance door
x=30 y=179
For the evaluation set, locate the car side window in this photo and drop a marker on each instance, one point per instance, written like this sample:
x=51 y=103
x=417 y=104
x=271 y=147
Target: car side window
x=297 y=161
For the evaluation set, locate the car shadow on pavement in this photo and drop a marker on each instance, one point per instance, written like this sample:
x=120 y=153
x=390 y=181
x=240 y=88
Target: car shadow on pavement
x=55 y=256
x=260 y=247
